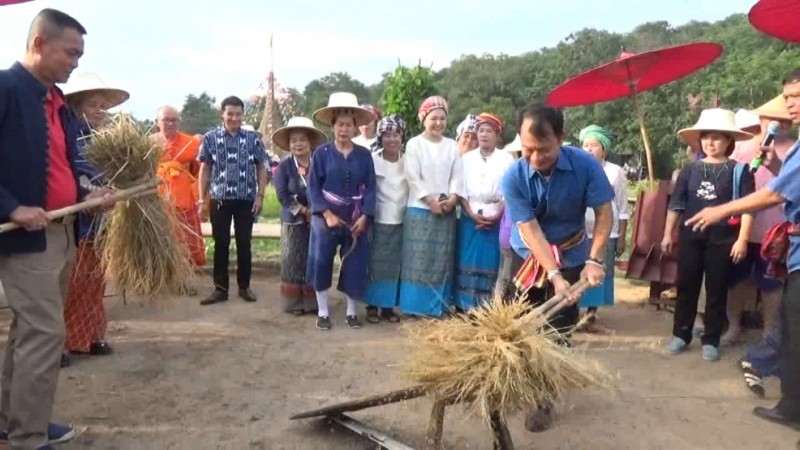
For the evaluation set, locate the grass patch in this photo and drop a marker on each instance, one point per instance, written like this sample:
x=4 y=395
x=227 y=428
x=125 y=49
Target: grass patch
x=263 y=249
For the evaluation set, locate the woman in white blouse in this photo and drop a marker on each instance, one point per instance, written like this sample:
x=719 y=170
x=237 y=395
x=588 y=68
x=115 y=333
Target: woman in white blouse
x=387 y=233
x=482 y=208
x=597 y=141
x=433 y=170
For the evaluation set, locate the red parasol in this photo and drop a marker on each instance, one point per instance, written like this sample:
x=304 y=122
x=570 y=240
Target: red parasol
x=12 y=2
x=777 y=18
x=632 y=73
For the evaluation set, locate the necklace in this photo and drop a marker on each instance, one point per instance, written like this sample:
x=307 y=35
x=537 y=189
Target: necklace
x=714 y=172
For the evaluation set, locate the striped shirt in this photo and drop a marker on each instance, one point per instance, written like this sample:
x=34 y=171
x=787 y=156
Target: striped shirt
x=233 y=159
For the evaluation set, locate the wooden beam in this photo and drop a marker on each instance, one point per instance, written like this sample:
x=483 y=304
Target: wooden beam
x=369 y=402
x=433 y=439
x=500 y=432
x=383 y=440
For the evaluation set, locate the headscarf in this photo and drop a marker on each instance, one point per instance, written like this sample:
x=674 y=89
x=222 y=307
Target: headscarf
x=599 y=133
x=376 y=113
x=388 y=123
x=431 y=103
x=468 y=125
x=493 y=121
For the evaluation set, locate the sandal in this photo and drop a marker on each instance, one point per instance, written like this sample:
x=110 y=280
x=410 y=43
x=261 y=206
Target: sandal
x=752 y=378
x=297 y=312
x=389 y=315
x=372 y=315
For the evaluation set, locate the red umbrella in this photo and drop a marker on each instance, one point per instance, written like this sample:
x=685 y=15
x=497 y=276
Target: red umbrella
x=777 y=18
x=12 y=2
x=632 y=73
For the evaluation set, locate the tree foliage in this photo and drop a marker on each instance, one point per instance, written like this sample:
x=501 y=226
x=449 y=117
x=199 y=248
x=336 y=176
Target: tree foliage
x=199 y=114
x=404 y=90
x=316 y=93
x=748 y=74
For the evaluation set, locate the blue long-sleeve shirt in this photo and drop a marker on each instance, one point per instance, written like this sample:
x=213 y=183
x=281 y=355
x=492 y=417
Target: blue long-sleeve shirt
x=291 y=189
x=88 y=223
x=345 y=177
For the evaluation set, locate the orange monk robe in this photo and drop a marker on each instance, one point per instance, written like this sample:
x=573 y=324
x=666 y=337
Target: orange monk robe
x=179 y=169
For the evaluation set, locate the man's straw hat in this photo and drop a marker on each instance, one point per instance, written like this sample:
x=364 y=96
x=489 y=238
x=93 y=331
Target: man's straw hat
x=91 y=82
x=343 y=101
x=281 y=136
x=714 y=119
x=774 y=109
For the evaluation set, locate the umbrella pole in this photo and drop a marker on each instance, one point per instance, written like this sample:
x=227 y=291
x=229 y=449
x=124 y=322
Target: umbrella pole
x=645 y=137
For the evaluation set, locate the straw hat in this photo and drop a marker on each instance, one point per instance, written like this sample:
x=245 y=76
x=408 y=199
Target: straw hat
x=514 y=146
x=281 y=136
x=746 y=119
x=340 y=101
x=774 y=109
x=91 y=82
x=714 y=119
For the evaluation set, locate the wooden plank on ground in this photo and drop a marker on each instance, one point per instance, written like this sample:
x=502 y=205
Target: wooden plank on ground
x=260 y=230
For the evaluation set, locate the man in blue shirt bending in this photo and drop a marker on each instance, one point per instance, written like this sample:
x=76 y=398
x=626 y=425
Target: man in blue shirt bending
x=784 y=189
x=547 y=192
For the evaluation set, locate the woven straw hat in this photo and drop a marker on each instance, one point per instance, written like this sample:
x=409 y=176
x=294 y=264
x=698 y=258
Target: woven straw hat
x=774 y=109
x=714 y=119
x=281 y=136
x=343 y=101
x=91 y=82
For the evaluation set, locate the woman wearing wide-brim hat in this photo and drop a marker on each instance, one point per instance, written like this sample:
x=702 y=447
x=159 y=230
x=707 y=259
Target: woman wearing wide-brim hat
x=299 y=137
x=90 y=98
x=711 y=181
x=342 y=192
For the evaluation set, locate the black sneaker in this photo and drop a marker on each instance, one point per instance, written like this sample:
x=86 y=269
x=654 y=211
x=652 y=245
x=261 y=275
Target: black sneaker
x=218 y=296
x=352 y=322
x=324 y=323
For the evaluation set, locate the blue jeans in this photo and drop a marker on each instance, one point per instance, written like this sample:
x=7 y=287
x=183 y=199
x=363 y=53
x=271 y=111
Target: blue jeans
x=764 y=355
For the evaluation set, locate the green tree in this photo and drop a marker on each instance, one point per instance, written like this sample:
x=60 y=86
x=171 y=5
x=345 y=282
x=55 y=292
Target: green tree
x=199 y=114
x=404 y=90
x=316 y=93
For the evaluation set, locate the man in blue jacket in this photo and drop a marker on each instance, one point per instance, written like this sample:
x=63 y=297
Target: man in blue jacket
x=38 y=137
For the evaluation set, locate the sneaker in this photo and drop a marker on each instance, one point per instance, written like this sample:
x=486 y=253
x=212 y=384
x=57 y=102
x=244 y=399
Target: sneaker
x=353 y=322
x=323 y=323
x=710 y=353
x=677 y=345
x=56 y=434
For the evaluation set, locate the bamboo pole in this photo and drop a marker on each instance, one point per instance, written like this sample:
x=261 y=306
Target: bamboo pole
x=118 y=196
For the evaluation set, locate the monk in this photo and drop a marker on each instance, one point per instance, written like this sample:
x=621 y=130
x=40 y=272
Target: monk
x=179 y=169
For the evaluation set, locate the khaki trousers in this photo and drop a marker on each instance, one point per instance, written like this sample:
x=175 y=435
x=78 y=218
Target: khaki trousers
x=35 y=285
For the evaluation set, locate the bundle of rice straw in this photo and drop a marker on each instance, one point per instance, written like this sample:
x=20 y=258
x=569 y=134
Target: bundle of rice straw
x=139 y=239
x=499 y=357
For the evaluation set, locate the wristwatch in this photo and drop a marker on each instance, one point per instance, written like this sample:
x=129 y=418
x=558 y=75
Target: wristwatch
x=552 y=274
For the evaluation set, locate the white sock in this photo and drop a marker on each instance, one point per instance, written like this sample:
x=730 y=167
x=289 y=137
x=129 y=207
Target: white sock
x=352 y=306
x=322 y=303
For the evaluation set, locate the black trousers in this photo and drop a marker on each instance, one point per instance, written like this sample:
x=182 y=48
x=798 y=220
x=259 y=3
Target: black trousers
x=240 y=212
x=696 y=258
x=566 y=319
x=789 y=356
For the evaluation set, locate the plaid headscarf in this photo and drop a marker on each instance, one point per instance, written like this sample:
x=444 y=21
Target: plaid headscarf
x=376 y=113
x=599 y=133
x=389 y=123
x=493 y=121
x=431 y=103
x=468 y=125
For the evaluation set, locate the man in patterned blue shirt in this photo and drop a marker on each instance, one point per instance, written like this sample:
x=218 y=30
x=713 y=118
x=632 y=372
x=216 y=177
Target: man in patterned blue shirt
x=233 y=176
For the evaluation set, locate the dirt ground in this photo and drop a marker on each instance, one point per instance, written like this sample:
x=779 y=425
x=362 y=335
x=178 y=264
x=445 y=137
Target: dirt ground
x=229 y=376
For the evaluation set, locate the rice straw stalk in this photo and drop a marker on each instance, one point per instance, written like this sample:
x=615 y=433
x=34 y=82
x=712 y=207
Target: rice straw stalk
x=501 y=357
x=139 y=239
